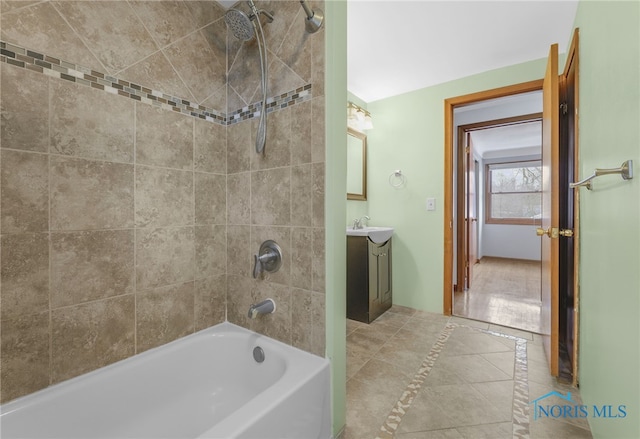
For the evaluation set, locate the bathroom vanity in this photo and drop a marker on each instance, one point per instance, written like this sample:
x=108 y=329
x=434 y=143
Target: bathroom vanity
x=369 y=286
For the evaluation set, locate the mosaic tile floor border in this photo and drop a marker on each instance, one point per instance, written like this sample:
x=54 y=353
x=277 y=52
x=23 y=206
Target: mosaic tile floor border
x=53 y=67
x=520 y=405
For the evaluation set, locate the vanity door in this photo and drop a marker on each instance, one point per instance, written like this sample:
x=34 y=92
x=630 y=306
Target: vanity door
x=379 y=277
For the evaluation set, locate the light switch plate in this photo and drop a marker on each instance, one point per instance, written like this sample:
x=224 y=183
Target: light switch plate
x=431 y=204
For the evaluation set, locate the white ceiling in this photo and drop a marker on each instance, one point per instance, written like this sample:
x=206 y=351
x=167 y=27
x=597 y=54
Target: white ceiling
x=505 y=141
x=399 y=46
x=520 y=139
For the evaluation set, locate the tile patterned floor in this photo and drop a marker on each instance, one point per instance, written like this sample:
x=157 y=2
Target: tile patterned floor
x=413 y=374
x=504 y=292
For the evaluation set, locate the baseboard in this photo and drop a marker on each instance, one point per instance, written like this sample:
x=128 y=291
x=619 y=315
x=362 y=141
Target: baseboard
x=502 y=258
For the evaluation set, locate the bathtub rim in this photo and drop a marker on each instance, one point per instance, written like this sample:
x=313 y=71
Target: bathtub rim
x=55 y=390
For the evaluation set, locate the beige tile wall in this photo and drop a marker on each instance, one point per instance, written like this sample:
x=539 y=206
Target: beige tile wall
x=177 y=47
x=113 y=229
x=280 y=195
x=122 y=226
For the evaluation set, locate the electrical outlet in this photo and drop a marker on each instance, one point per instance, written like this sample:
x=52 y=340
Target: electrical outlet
x=431 y=204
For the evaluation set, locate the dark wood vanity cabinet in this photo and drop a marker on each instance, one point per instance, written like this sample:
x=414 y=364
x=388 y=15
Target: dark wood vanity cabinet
x=369 y=286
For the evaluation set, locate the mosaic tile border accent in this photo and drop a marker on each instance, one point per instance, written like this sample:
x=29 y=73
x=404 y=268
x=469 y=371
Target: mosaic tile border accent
x=57 y=68
x=284 y=100
x=521 y=392
x=389 y=427
x=520 y=406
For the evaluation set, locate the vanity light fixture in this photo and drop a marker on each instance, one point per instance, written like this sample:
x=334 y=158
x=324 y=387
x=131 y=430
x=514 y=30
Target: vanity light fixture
x=358 y=118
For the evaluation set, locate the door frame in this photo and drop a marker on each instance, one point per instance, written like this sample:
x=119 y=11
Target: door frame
x=460 y=190
x=449 y=150
x=471 y=210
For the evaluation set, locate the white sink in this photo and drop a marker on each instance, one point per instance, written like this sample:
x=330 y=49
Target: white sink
x=376 y=234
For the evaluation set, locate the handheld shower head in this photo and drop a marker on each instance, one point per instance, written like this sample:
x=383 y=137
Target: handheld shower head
x=245 y=27
x=240 y=24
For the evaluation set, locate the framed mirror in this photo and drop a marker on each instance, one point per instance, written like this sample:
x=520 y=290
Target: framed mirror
x=356 y=165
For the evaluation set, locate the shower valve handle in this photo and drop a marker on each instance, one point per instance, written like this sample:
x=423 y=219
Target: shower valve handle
x=260 y=263
x=268 y=259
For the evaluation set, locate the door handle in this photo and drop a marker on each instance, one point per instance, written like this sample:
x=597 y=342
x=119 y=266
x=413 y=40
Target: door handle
x=554 y=232
x=541 y=232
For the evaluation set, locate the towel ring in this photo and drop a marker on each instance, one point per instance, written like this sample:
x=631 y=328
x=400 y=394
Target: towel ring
x=397 y=179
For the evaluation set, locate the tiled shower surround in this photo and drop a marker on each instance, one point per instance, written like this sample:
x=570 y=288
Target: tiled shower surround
x=125 y=224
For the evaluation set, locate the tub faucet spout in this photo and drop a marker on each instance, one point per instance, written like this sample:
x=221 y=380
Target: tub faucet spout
x=265 y=307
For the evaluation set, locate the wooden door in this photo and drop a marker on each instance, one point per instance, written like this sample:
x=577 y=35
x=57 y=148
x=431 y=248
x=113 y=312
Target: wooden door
x=550 y=209
x=569 y=199
x=471 y=216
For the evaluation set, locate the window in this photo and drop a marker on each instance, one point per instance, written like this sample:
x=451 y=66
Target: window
x=513 y=193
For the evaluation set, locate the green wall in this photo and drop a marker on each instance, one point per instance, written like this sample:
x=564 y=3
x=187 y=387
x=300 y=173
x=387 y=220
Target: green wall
x=335 y=203
x=409 y=136
x=609 y=112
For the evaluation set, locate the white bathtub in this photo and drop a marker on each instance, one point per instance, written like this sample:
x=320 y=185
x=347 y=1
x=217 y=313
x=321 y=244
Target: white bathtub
x=206 y=385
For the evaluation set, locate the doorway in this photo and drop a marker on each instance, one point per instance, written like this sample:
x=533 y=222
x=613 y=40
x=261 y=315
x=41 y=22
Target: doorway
x=498 y=207
x=559 y=225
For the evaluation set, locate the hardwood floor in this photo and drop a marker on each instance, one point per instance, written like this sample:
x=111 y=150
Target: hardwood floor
x=504 y=292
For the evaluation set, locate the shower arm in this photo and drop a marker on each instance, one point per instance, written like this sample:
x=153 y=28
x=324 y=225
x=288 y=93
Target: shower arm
x=314 y=19
x=307 y=10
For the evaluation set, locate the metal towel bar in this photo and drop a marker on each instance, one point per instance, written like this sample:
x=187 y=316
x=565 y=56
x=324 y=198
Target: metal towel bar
x=626 y=171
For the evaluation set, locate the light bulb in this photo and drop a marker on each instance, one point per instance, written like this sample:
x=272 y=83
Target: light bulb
x=367 y=124
x=351 y=114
